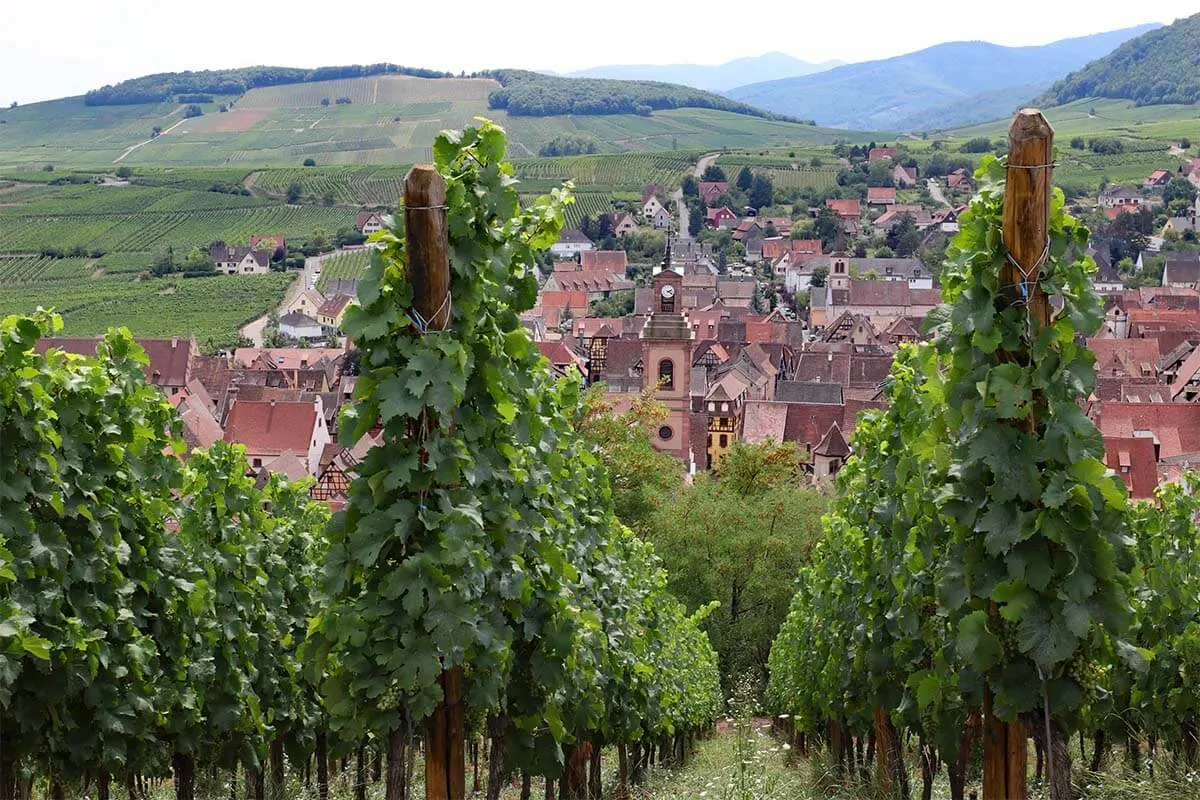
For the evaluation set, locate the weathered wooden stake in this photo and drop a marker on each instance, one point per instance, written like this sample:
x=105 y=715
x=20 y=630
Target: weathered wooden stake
x=1026 y=238
x=428 y=242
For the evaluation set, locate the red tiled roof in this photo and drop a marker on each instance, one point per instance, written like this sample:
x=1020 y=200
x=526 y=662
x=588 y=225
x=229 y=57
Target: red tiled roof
x=877 y=153
x=271 y=428
x=878 y=194
x=169 y=358
x=1133 y=459
x=604 y=260
x=334 y=305
x=1132 y=353
x=560 y=300
x=1177 y=425
x=845 y=208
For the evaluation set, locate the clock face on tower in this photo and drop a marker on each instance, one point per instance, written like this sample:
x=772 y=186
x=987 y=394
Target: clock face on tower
x=668 y=292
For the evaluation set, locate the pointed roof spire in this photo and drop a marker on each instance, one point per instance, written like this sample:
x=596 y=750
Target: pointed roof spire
x=839 y=244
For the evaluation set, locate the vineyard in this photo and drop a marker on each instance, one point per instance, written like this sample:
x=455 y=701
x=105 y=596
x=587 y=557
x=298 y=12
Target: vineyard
x=984 y=579
x=350 y=265
x=629 y=172
x=211 y=308
x=146 y=231
x=370 y=187
x=175 y=619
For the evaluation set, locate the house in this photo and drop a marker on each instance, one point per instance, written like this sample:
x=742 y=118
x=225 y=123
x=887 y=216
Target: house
x=200 y=428
x=597 y=274
x=747 y=230
x=239 y=260
x=1106 y=279
x=1157 y=179
x=651 y=207
x=959 y=180
x=830 y=454
x=369 y=222
x=881 y=196
x=849 y=210
x=171 y=360
x=275 y=244
x=737 y=292
x=711 y=190
x=571 y=242
x=1191 y=172
x=1121 y=196
x=904 y=177
x=920 y=215
x=306 y=302
x=333 y=310
x=719 y=217
x=300 y=326
x=612 y=261
x=1182 y=225
x=1181 y=270
x=781 y=225
x=562 y=358
x=624 y=224
x=880 y=153
x=269 y=429
x=660 y=219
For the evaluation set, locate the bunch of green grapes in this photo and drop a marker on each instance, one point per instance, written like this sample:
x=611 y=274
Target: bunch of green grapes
x=1006 y=632
x=390 y=699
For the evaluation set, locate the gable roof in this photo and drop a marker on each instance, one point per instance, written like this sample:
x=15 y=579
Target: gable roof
x=805 y=392
x=876 y=194
x=170 y=359
x=764 y=421
x=845 y=208
x=573 y=236
x=615 y=261
x=272 y=427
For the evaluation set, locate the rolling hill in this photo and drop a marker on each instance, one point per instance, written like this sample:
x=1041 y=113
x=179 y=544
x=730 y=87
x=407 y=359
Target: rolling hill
x=712 y=77
x=383 y=119
x=881 y=94
x=1161 y=66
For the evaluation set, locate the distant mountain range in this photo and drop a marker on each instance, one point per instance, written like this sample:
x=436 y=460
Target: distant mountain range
x=912 y=91
x=1162 y=66
x=713 y=78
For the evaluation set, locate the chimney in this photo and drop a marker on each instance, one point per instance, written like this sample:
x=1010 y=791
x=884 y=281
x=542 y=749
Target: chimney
x=174 y=343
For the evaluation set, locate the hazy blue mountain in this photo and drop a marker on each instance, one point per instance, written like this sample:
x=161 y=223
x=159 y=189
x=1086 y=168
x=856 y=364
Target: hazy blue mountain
x=982 y=107
x=714 y=78
x=878 y=95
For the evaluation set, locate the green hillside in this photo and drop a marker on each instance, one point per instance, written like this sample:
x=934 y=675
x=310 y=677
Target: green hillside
x=1162 y=66
x=388 y=119
x=1146 y=134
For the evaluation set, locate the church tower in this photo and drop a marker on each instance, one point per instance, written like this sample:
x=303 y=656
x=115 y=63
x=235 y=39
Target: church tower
x=839 y=264
x=667 y=361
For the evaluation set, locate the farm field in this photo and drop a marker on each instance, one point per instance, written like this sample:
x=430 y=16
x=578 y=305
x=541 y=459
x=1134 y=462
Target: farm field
x=140 y=231
x=350 y=265
x=390 y=120
x=211 y=308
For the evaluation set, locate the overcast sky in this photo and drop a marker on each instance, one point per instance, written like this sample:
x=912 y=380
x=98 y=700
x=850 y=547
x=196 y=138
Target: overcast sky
x=52 y=48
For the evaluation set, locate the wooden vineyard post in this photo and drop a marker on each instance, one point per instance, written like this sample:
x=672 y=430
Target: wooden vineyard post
x=1026 y=239
x=428 y=246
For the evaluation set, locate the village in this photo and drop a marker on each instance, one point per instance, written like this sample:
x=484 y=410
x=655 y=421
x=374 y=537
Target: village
x=727 y=350
x=731 y=364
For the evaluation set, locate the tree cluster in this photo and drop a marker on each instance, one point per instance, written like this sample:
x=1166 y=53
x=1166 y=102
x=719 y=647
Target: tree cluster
x=569 y=145
x=1155 y=68
x=530 y=94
